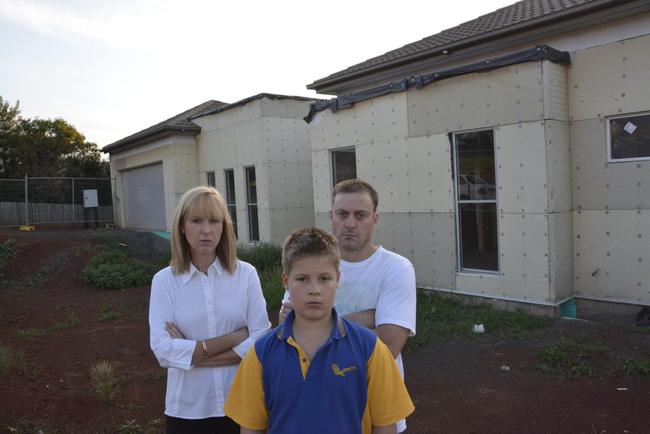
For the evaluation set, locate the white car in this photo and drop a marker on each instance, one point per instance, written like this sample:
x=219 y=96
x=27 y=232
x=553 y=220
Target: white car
x=471 y=187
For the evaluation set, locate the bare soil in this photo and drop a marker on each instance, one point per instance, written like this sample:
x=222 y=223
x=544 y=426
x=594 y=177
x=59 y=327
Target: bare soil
x=480 y=385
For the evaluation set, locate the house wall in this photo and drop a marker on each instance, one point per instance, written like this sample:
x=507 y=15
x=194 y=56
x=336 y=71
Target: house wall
x=403 y=148
x=611 y=201
x=271 y=135
x=179 y=159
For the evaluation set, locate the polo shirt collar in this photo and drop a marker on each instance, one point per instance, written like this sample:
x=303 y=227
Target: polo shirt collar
x=286 y=331
x=216 y=266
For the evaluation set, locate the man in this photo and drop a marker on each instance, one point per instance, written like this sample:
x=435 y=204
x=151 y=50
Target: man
x=377 y=286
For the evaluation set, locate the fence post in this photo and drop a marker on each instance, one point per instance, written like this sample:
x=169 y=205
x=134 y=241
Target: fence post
x=73 y=199
x=26 y=202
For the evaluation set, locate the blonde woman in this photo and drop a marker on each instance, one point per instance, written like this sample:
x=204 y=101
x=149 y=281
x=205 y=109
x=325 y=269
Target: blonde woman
x=206 y=310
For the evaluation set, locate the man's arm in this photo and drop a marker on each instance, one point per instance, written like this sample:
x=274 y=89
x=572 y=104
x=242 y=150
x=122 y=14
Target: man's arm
x=365 y=318
x=388 y=429
x=245 y=430
x=393 y=336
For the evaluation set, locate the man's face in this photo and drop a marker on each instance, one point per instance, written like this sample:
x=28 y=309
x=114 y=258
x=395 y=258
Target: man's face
x=353 y=218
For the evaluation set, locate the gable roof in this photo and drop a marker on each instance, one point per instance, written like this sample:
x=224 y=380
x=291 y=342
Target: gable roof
x=520 y=16
x=179 y=124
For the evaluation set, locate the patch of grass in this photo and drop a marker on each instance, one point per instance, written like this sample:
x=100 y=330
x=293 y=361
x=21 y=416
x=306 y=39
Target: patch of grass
x=130 y=427
x=70 y=322
x=30 y=333
x=39 y=277
x=440 y=317
x=106 y=314
x=263 y=257
x=105 y=381
x=642 y=330
x=114 y=269
x=636 y=367
x=570 y=357
x=7 y=252
x=11 y=360
x=271 y=280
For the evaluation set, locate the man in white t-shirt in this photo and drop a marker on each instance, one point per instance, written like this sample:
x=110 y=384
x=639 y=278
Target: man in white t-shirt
x=377 y=286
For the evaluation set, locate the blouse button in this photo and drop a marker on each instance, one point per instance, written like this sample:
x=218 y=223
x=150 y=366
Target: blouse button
x=304 y=360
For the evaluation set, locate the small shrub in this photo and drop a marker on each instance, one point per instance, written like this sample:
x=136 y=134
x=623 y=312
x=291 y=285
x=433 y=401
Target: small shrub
x=264 y=256
x=636 y=367
x=130 y=427
x=569 y=358
x=271 y=280
x=7 y=251
x=105 y=381
x=113 y=269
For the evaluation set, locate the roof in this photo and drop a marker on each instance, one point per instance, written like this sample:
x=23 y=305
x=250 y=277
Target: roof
x=252 y=98
x=510 y=19
x=179 y=124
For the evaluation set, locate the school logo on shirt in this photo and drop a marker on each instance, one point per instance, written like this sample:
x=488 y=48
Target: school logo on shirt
x=341 y=372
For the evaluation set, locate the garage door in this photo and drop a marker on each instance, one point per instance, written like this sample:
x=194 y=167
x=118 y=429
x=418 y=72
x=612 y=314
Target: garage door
x=144 y=198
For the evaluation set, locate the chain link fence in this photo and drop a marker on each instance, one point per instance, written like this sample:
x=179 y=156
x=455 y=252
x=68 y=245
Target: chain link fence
x=33 y=201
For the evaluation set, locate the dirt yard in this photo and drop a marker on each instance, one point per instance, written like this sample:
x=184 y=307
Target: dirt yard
x=480 y=385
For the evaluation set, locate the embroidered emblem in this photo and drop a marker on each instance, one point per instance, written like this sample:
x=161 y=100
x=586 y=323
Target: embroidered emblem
x=341 y=372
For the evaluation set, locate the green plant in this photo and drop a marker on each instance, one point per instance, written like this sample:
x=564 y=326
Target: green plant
x=21 y=425
x=71 y=321
x=271 y=280
x=570 y=358
x=114 y=269
x=636 y=367
x=7 y=251
x=263 y=256
x=30 y=333
x=12 y=360
x=106 y=314
x=130 y=427
x=105 y=381
x=440 y=317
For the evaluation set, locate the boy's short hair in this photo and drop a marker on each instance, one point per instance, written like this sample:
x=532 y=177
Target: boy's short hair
x=356 y=186
x=309 y=241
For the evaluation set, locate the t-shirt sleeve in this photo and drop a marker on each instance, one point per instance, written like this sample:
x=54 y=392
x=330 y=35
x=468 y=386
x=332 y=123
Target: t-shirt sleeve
x=388 y=399
x=245 y=403
x=396 y=303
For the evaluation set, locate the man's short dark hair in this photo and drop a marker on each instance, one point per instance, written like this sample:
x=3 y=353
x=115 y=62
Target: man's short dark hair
x=356 y=186
x=310 y=242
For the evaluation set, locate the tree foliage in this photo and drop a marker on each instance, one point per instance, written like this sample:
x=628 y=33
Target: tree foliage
x=44 y=147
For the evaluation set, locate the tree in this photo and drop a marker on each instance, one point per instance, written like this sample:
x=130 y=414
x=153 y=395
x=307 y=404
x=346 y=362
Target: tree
x=44 y=147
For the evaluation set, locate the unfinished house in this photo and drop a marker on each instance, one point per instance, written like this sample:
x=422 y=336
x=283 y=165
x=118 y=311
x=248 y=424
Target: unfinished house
x=255 y=152
x=511 y=153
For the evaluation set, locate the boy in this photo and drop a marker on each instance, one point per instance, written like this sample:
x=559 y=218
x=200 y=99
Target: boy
x=317 y=373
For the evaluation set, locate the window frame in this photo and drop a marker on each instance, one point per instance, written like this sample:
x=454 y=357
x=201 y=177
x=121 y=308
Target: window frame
x=250 y=204
x=208 y=175
x=608 y=137
x=231 y=202
x=333 y=162
x=458 y=202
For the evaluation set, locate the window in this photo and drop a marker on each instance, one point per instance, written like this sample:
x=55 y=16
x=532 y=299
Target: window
x=628 y=137
x=230 y=197
x=251 y=202
x=476 y=205
x=344 y=165
x=211 y=179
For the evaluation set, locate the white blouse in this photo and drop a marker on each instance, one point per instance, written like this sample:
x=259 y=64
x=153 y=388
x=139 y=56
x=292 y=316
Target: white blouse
x=202 y=307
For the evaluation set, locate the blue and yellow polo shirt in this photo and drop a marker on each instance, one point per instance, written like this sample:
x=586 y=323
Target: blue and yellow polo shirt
x=351 y=384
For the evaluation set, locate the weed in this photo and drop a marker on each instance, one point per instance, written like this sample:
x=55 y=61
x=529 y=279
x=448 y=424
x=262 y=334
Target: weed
x=636 y=367
x=10 y=360
x=642 y=330
x=38 y=278
x=71 y=321
x=570 y=358
x=105 y=380
x=440 y=317
x=106 y=314
x=30 y=333
x=20 y=425
x=130 y=427
x=263 y=257
x=7 y=251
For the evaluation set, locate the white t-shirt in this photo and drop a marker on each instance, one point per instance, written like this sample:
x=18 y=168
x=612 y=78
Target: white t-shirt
x=385 y=282
x=202 y=307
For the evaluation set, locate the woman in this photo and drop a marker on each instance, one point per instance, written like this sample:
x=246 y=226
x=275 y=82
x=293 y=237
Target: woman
x=205 y=312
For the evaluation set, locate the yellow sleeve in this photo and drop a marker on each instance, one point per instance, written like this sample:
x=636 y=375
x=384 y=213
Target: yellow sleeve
x=388 y=399
x=245 y=403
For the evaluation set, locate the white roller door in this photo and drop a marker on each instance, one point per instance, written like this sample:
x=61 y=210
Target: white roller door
x=144 y=197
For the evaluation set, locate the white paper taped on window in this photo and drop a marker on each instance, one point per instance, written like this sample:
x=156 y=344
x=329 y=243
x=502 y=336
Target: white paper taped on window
x=630 y=128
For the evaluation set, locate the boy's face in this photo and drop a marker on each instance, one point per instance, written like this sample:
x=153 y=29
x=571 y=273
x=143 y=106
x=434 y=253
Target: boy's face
x=312 y=284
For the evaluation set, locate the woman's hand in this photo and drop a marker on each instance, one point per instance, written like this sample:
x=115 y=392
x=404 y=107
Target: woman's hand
x=173 y=331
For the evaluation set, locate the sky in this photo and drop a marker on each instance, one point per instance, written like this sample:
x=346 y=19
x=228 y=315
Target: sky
x=112 y=68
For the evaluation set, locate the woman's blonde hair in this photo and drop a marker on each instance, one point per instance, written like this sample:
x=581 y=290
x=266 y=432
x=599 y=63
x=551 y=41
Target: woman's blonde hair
x=208 y=202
